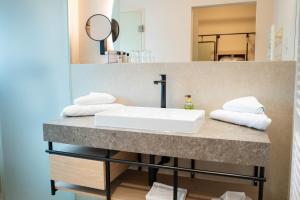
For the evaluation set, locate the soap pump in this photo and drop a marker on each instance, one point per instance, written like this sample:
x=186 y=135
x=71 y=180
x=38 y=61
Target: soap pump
x=188 y=102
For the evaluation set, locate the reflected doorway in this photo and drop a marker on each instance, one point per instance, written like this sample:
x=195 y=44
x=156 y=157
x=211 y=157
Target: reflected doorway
x=224 y=33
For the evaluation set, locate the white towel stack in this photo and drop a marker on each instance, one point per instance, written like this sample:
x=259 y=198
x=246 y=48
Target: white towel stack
x=91 y=104
x=245 y=111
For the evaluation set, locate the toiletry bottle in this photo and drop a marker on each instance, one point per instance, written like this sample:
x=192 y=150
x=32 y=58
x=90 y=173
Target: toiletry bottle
x=188 y=103
x=128 y=58
x=119 y=57
x=106 y=57
x=124 y=57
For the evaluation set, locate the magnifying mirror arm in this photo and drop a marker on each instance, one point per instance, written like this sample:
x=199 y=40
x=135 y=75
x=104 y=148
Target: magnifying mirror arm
x=102 y=47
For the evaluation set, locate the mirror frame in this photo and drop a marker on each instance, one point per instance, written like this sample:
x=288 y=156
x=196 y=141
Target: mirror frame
x=86 y=25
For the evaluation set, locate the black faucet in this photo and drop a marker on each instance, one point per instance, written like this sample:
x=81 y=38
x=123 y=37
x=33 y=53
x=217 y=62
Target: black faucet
x=163 y=82
x=152 y=172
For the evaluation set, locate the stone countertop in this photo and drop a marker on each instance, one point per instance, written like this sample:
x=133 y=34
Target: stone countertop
x=215 y=141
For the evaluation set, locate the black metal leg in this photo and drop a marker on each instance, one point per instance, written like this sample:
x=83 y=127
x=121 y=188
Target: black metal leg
x=53 y=189
x=261 y=184
x=139 y=160
x=107 y=179
x=52 y=182
x=50 y=146
x=163 y=160
x=151 y=171
x=255 y=175
x=192 y=167
x=175 y=180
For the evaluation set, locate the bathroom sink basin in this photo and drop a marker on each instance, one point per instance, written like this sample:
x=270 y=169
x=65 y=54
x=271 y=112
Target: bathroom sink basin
x=155 y=119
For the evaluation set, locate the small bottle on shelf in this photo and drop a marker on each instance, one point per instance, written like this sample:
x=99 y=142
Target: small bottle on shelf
x=128 y=58
x=188 y=103
x=119 y=57
x=124 y=57
x=112 y=57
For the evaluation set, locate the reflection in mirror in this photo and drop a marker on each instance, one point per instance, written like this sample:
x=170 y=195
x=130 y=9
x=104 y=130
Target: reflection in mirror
x=224 y=33
x=165 y=31
x=83 y=48
x=207 y=51
x=132 y=33
x=115 y=30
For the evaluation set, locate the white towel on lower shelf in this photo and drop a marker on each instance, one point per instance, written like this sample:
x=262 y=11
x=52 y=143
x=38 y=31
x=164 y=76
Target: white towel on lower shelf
x=90 y=110
x=95 y=98
x=161 y=191
x=258 y=121
x=244 y=104
x=233 y=196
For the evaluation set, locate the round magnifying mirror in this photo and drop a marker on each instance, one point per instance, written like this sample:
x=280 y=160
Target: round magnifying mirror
x=98 y=27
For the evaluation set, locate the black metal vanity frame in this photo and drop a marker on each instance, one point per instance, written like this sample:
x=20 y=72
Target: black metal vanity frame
x=257 y=178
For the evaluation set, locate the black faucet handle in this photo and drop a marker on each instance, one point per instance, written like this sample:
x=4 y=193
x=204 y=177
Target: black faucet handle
x=163 y=79
x=158 y=82
x=163 y=76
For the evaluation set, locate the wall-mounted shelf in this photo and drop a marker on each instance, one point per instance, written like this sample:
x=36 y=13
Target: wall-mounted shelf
x=133 y=185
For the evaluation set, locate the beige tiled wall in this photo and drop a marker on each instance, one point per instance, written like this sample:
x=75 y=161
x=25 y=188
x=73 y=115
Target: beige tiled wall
x=210 y=84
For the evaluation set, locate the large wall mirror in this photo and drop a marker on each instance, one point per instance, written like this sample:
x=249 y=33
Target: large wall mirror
x=142 y=31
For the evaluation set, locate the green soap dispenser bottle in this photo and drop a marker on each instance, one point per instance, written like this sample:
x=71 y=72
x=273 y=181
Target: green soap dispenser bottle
x=188 y=102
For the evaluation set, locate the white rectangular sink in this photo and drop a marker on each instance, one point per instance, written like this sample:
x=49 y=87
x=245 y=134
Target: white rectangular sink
x=155 y=119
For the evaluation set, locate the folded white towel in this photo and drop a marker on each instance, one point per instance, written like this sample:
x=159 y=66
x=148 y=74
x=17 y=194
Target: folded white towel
x=95 y=98
x=90 y=110
x=258 y=121
x=234 y=196
x=245 y=104
x=161 y=191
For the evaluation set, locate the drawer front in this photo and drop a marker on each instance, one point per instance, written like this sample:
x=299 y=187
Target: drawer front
x=87 y=173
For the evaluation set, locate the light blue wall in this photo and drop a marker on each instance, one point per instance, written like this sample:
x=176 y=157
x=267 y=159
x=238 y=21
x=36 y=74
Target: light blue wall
x=34 y=87
x=1 y=162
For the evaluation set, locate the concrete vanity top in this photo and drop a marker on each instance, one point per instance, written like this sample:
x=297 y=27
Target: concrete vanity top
x=215 y=141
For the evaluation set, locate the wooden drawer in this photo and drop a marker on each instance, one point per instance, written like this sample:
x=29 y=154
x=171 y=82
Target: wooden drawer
x=87 y=173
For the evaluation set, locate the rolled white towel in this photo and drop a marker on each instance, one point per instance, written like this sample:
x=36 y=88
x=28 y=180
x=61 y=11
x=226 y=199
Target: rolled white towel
x=90 y=110
x=258 y=121
x=245 y=104
x=95 y=98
